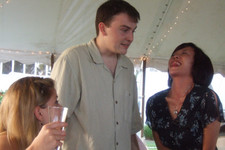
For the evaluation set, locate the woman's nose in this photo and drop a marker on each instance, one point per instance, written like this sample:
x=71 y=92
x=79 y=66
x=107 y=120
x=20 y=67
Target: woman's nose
x=176 y=56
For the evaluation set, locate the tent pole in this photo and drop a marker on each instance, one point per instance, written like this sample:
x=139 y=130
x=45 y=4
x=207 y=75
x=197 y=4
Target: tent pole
x=52 y=60
x=143 y=92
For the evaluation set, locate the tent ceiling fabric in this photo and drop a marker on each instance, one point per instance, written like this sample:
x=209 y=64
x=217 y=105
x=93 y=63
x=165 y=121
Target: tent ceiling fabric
x=32 y=30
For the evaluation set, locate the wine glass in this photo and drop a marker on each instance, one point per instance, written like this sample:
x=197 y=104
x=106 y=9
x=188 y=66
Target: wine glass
x=57 y=114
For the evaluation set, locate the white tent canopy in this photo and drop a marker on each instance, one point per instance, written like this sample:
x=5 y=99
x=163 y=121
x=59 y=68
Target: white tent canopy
x=32 y=30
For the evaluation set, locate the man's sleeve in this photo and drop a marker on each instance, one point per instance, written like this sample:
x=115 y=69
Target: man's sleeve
x=136 y=119
x=66 y=84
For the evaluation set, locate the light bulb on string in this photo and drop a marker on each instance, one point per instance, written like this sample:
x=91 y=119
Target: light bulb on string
x=153 y=41
x=3 y=2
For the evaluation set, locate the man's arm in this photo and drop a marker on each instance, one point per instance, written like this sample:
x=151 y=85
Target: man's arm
x=134 y=142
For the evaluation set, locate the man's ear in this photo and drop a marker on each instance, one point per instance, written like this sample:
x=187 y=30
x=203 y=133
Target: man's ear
x=101 y=27
x=37 y=113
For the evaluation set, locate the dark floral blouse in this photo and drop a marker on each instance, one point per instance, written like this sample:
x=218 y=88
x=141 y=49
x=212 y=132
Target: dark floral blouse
x=186 y=131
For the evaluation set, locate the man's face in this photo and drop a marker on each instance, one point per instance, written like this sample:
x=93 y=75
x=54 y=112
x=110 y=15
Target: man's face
x=119 y=34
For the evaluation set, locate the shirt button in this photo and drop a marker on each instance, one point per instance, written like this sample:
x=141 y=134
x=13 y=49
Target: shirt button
x=117 y=143
x=116 y=102
x=117 y=122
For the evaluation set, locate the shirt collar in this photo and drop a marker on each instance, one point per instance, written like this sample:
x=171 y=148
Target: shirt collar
x=94 y=52
x=97 y=59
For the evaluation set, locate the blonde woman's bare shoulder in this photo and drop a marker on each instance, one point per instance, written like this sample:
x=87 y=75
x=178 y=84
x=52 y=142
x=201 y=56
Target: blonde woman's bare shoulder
x=4 y=143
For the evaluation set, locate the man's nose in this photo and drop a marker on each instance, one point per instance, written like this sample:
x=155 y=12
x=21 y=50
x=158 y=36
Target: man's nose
x=130 y=36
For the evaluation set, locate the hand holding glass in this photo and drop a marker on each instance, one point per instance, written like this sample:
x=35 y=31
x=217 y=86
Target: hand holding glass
x=57 y=114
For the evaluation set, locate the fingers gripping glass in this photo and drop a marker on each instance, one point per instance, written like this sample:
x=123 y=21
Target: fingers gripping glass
x=57 y=114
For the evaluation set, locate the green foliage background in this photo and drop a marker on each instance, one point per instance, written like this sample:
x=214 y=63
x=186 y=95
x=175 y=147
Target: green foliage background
x=148 y=133
x=1 y=96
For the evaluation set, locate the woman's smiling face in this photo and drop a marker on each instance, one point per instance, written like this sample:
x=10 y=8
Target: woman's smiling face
x=181 y=62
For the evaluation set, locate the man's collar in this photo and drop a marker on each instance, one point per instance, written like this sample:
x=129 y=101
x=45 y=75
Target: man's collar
x=97 y=58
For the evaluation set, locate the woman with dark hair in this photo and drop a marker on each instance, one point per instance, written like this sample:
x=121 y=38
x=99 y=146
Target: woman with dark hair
x=186 y=116
x=202 y=69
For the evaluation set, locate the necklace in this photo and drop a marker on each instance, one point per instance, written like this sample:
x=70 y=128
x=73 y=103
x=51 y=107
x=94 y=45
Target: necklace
x=176 y=111
x=180 y=100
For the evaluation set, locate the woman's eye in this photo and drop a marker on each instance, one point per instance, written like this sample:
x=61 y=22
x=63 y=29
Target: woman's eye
x=173 y=55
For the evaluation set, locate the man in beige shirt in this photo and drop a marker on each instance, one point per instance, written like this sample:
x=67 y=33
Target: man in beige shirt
x=96 y=82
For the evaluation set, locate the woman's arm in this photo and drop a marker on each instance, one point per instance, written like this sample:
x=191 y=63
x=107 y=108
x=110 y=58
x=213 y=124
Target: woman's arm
x=158 y=142
x=210 y=135
x=211 y=131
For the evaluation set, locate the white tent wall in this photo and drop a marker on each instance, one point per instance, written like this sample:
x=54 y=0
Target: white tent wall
x=33 y=30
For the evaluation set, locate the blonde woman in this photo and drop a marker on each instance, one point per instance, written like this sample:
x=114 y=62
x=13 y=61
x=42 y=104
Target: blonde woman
x=24 y=116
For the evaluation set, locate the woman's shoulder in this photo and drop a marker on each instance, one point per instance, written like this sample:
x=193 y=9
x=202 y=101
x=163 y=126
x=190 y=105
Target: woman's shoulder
x=204 y=91
x=158 y=96
x=3 y=137
x=4 y=143
x=201 y=88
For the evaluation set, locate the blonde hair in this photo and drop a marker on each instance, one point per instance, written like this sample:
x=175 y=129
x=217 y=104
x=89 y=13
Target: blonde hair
x=17 y=117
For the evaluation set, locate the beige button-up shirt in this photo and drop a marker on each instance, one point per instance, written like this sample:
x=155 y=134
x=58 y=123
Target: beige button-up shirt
x=103 y=110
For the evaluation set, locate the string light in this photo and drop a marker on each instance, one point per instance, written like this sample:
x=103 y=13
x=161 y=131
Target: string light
x=144 y=58
x=25 y=52
x=3 y=2
x=170 y=28
x=151 y=46
x=157 y=27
